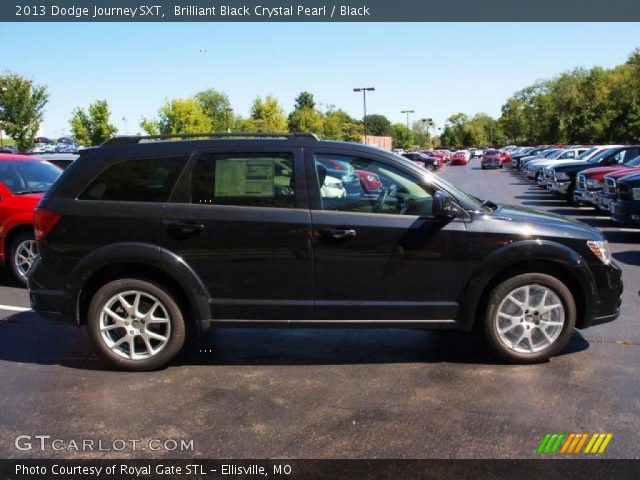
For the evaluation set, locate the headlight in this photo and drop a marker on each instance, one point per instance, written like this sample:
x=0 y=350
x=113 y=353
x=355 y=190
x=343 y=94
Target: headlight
x=600 y=249
x=594 y=183
x=562 y=176
x=371 y=178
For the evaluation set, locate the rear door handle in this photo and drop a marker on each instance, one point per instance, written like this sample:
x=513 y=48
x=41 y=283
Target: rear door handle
x=338 y=233
x=184 y=226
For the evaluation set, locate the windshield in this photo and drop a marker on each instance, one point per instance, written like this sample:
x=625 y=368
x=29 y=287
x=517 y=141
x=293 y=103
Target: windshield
x=555 y=154
x=601 y=155
x=28 y=176
x=586 y=153
x=634 y=162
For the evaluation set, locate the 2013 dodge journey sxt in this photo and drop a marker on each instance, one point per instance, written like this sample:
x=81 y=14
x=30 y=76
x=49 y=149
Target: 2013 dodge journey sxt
x=144 y=239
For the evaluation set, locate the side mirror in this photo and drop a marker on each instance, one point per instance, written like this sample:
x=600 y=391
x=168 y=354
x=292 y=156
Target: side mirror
x=444 y=206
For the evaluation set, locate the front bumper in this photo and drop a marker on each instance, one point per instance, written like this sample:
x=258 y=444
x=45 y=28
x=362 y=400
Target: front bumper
x=626 y=211
x=605 y=201
x=609 y=287
x=560 y=186
x=586 y=197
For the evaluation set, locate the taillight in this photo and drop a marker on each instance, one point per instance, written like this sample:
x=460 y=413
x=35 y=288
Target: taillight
x=44 y=221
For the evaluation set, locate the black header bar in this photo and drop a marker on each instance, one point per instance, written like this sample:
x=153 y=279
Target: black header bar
x=319 y=11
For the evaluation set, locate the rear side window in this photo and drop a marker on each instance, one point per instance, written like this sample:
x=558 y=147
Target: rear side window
x=244 y=179
x=136 y=180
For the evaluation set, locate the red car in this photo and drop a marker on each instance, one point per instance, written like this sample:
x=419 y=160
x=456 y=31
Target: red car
x=589 y=182
x=370 y=181
x=23 y=181
x=492 y=159
x=610 y=187
x=435 y=154
x=459 y=158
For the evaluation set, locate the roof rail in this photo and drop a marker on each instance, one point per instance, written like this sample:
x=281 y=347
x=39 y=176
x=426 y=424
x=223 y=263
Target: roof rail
x=134 y=139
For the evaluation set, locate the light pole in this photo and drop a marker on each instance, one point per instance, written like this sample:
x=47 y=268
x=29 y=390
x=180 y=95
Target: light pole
x=227 y=111
x=126 y=130
x=2 y=90
x=408 y=112
x=429 y=123
x=364 y=91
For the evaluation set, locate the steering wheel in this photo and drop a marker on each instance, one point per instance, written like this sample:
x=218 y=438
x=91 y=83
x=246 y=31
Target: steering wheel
x=382 y=198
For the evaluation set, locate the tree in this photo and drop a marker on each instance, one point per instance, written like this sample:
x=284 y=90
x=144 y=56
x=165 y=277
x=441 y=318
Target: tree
x=179 y=116
x=268 y=116
x=92 y=128
x=402 y=138
x=305 y=117
x=304 y=100
x=21 y=108
x=217 y=107
x=339 y=125
x=378 y=125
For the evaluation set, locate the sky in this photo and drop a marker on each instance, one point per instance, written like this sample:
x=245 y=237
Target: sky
x=435 y=69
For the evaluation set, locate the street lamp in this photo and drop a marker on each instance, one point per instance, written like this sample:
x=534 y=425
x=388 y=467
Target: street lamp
x=227 y=111
x=2 y=90
x=429 y=123
x=408 y=112
x=364 y=91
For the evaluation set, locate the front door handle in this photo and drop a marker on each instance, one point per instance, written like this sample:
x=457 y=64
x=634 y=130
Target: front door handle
x=184 y=226
x=338 y=233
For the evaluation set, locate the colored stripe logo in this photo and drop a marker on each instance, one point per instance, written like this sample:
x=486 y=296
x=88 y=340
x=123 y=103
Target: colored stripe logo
x=573 y=443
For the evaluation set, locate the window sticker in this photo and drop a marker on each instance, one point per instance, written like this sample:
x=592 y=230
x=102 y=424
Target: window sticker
x=244 y=178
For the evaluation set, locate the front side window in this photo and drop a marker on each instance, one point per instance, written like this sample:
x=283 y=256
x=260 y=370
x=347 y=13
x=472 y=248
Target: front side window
x=136 y=180
x=357 y=184
x=244 y=179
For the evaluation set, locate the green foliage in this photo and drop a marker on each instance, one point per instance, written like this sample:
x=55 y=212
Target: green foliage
x=594 y=105
x=339 y=125
x=92 y=128
x=464 y=131
x=179 y=116
x=268 y=116
x=378 y=125
x=306 y=120
x=305 y=100
x=402 y=138
x=21 y=108
x=217 y=107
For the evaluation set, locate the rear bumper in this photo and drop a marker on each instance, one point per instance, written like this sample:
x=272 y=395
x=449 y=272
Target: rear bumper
x=52 y=305
x=626 y=211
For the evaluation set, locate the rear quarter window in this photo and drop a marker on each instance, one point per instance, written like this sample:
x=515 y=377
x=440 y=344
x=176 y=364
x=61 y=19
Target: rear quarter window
x=136 y=180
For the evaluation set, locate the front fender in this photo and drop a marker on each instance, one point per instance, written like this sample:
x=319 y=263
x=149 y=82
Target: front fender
x=140 y=253
x=518 y=252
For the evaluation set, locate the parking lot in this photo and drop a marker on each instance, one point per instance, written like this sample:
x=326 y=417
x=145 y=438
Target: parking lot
x=255 y=393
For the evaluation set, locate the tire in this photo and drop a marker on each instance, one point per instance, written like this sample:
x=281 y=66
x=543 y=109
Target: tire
x=501 y=166
x=482 y=167
x=25 y=244
x=149 y=353
x=533 y=346
x=431 y=168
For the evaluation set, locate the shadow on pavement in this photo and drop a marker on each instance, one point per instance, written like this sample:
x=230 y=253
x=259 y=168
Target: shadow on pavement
x=622 y=237
x=27 y=338
x=7 y=280
x=552 y=202
x=630 y=257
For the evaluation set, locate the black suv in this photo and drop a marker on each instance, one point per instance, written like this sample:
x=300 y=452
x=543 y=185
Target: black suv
x=144 y=241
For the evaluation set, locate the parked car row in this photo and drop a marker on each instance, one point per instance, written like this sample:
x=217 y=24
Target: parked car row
x=606 y=177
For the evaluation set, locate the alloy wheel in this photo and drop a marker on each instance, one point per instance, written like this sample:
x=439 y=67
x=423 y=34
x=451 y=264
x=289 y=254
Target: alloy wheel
x=530 y=319
x=135 y=325
x=25 y=256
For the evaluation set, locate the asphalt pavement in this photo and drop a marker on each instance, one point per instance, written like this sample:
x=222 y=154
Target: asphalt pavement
x=285 y=393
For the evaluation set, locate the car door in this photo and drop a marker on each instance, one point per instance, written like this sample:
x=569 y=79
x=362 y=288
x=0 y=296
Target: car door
x=383 y=258
x=240 y=220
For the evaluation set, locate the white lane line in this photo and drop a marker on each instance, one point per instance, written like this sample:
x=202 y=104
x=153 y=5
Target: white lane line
x=602 y=218
x=629 y=230
x=11 y=308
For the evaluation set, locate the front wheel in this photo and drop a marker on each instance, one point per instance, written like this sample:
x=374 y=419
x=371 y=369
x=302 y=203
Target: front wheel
x=530 y=318
x=136 y=325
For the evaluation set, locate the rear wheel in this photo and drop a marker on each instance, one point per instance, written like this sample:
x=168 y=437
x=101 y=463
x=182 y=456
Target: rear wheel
x=530 y=318
x=430 y=167
x=136 y=324
x=22 y=255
